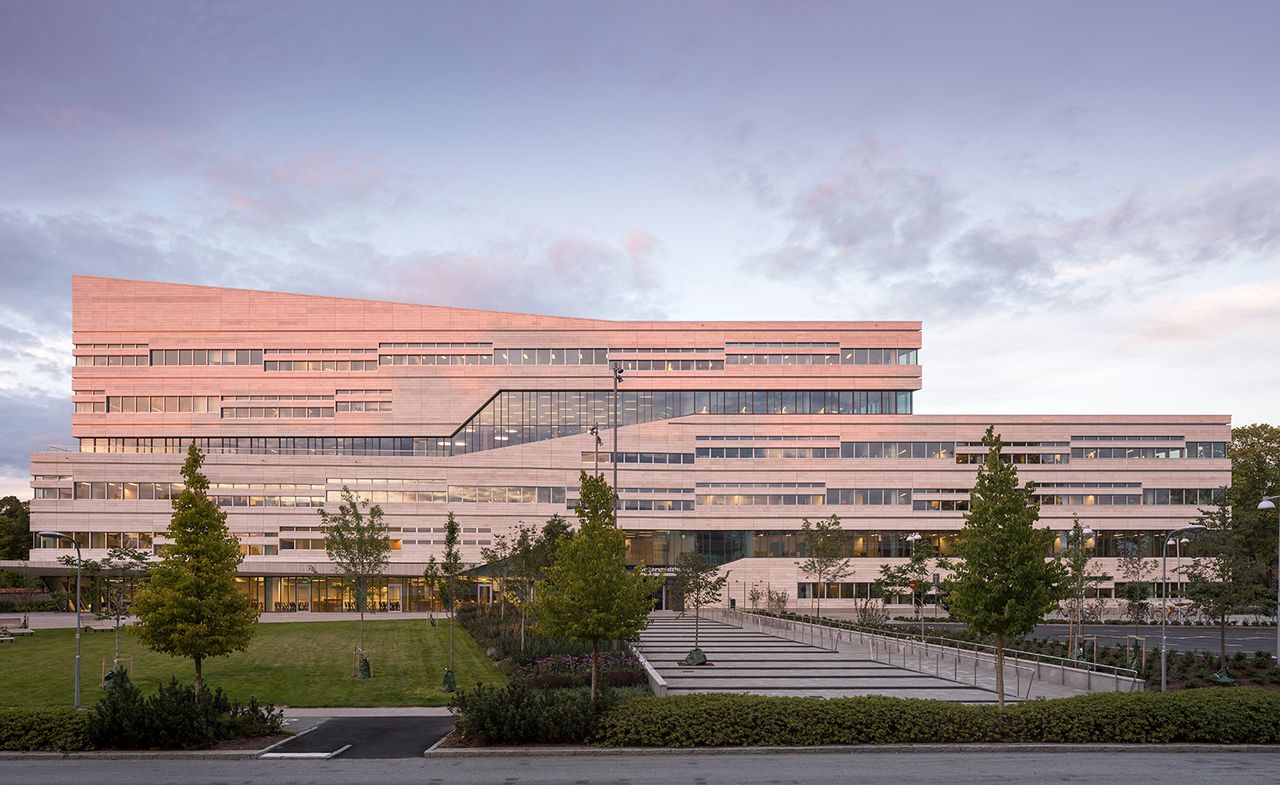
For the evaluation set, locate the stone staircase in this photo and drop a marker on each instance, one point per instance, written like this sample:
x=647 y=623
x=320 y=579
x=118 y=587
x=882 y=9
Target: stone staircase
x=761 y=664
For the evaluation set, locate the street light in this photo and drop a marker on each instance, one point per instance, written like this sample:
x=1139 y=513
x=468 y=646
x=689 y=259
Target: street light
x=1269 y=503
x=617 y=379
x=61 y=536
x=1164 y=581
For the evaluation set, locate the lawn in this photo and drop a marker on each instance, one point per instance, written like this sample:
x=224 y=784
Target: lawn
x=294 y=663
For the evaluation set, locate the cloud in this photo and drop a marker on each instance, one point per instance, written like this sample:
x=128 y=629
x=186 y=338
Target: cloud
x=1215 y=315
x=31 y=422
x=880 y=231
x=539 y=272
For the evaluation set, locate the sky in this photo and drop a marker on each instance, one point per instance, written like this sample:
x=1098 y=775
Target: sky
x=1080 y=200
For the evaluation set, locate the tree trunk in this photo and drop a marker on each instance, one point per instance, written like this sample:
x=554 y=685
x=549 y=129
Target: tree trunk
x=522 y=612
x=696 y=619
x=1000 y=671
x=116 y=661
x=199 y=677
x=362 y=629
x=595 y=666
x=451 y=615
x=1222 y=643
x=817 y=610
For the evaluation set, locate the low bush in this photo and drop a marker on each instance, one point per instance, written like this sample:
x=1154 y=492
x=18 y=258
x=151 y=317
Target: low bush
x=44 y=729
x=1236 y=716
x=564 y=670
x=518 y=714
x=176 y=718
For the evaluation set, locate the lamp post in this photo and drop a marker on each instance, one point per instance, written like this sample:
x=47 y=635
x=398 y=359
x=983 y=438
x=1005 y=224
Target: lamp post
x=79 y=562
x=1269 y=503
x=1164 y=582
x=594 y=430
x=617 y=379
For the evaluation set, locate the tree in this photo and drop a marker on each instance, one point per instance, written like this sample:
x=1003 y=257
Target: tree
x=775 y=602
x=1135 y=593
x=431 y=576
x=1079 y=573
x=359 y=546
x=497 y=560
x=191 y=607
x=915 y=576
x=755 y=596
x=698 y=583
x=15 y=529
x=1003 y=584
x=1255 y=472
x=524 y=566
x=824 y=542
x=117 y=578
x=1226 y=578
x=588 y=594
x=450 y=569
x=532 y=552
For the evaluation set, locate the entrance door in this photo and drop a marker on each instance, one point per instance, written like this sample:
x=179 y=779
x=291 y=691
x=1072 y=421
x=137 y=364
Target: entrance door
x=394 y=596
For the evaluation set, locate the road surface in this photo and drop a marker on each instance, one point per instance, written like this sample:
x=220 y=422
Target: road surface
x=1130 y=768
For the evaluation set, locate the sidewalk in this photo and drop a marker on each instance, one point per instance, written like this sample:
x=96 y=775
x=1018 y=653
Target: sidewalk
x=66 y=620
x=366 y=711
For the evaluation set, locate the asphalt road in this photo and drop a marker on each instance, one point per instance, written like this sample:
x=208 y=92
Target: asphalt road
x=1130 y=768
x=369 y=737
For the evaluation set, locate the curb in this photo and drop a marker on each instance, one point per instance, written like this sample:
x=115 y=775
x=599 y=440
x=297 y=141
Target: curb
x=150 y=754
x=135 y=755
x=881 y=749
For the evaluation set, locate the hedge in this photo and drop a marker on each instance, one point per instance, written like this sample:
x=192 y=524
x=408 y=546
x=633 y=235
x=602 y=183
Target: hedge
x=44 y=729
x=519 y=714
x=1210 y=716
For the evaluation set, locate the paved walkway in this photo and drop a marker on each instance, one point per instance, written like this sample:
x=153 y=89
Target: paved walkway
x=54 y=620
x=761 y=664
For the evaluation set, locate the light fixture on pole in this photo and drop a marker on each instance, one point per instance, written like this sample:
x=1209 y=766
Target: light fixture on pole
x=594 y=430
x=1269 y=503
x=79 y=562
x=1166 y=541
x=617 y=379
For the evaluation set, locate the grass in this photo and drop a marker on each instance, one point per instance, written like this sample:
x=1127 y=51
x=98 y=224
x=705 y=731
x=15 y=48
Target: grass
x=292 y=663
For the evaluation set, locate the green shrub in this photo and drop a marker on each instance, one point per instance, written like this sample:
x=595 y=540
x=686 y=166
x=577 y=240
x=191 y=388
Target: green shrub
x=175 y=718
x=44 y=729
x=518 y=714
x=1224 y=716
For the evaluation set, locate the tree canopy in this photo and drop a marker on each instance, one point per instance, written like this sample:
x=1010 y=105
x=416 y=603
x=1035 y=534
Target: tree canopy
x=1003 y=584
x=588 y=594
x=358 y=545
x=826 y=563
x=191 y=607
x=698 y=583
x=1225 y=577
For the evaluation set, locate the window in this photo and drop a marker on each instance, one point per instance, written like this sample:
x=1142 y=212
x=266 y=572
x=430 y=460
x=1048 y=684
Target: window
x=898 y=450
x=205 y=357
x=170 y=403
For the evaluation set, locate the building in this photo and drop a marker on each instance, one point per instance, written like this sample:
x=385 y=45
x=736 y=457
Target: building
x=731 y=433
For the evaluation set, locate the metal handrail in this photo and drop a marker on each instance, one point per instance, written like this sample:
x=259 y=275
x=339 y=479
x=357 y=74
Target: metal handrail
x=1052 y=659
x=826 y=636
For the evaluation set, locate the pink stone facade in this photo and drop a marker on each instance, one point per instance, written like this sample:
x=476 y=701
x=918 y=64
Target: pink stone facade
x=732 y=433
